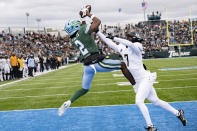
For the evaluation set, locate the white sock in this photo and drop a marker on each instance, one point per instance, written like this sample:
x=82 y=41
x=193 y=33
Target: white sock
x=167 y=107
x=145 y=113
x=68 y=102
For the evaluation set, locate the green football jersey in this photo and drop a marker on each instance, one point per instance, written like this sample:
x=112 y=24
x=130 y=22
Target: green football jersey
x=85 y=42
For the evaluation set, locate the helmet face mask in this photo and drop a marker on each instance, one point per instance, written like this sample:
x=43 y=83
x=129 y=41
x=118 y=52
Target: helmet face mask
x=133 y=37
x=72 y=26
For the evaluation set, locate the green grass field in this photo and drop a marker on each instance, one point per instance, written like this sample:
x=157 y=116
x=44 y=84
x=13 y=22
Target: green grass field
x=52 y=89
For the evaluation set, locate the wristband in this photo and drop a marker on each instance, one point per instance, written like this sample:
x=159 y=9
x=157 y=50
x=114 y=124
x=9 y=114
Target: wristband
x=92 y=16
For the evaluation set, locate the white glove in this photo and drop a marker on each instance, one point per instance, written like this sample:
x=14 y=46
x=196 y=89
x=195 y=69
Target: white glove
x=83 y=10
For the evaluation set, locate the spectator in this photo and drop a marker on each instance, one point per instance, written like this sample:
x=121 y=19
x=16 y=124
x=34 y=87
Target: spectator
x=7 y=68
x=31 y=65
x=25 y=69
x=21 y=66
x=1 y=68
x=41 y=63
x=14 y=64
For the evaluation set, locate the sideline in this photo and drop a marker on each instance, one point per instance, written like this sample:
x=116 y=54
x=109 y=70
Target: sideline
x=36 y=75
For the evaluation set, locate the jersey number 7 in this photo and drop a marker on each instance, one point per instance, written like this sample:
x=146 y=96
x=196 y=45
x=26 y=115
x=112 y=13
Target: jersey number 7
x=127 y=57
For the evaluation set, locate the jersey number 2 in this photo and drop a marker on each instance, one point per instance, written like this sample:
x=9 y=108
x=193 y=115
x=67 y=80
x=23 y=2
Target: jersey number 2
x=83 y=50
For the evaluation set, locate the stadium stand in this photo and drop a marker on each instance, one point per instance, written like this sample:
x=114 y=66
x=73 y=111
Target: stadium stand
x=51 y=51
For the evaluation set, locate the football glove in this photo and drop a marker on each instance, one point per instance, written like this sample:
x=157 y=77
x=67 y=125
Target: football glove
x=83 y=12
x=110 y=36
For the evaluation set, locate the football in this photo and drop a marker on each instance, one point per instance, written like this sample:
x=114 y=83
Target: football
x=88 y=7
x=81 y=13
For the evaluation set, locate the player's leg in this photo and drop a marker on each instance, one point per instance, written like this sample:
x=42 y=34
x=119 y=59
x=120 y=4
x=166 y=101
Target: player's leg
x=6 y=73
x=108 y=64
x=89 y=72
x=141 y=94
x=1 y=75
x=153 y=98
x=88 y=75
x=86 y=83
x=9 y=73
x=25 y=72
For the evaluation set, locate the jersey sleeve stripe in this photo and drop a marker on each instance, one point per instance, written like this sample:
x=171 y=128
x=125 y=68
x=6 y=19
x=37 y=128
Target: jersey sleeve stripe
x=104 y=65
x=87 y=28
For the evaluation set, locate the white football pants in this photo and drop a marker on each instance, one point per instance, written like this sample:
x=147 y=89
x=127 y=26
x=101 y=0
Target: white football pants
x=145 y=90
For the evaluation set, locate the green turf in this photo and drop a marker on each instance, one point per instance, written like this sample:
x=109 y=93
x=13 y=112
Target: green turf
x=52 y=89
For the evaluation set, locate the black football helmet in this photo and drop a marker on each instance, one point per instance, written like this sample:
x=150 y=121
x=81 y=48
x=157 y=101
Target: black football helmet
x=133 y=37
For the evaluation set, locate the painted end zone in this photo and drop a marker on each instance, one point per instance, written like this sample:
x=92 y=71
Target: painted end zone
x=101 y=118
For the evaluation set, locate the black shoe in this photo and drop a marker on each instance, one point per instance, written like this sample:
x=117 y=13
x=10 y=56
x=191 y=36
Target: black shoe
x=151 y=128
x=182 y=118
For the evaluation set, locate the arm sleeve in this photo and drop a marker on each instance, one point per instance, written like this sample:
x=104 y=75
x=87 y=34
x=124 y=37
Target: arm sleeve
x=123 y=41
x=135 y=46
x=109 y=42
x=87 y=29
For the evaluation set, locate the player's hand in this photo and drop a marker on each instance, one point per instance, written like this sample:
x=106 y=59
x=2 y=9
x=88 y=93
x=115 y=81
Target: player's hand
x=97 y=30
x=110 y=36
x=83 y=12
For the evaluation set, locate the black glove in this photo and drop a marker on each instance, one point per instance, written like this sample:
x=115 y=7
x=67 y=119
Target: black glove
x=136 y=39
x=140 y=40
x=110 y=36
x=96 y=30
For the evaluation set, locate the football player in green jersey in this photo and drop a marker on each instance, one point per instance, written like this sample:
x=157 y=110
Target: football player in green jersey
x=81 y=38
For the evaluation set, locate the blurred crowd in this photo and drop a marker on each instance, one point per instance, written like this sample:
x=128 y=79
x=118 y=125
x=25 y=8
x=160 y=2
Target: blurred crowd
x=22 y=55
x=15 y=67
x=155 y=35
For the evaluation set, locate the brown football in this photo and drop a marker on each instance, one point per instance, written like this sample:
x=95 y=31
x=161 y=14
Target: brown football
x=88 y=7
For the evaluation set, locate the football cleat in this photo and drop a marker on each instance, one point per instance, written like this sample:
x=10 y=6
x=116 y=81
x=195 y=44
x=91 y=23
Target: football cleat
x=63 y=107
x=182 y=118
x=151 y=128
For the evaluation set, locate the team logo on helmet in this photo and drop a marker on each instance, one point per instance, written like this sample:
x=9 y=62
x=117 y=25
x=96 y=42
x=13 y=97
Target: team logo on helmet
x=72 y=26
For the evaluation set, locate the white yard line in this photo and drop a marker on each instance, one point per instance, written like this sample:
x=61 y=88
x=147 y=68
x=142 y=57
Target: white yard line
x=32 y=96
x=102 y=84
x=179 y=79
x=121 y=75
x=179 y=68
x=115 y=75
x=55 y=87
x=97 y=92
x=112 y=79
x=35 y=75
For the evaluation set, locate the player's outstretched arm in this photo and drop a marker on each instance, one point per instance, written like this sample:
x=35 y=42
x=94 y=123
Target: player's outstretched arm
x=95 y=22
x=109 y=42
x=136 y=45
x=123 y=41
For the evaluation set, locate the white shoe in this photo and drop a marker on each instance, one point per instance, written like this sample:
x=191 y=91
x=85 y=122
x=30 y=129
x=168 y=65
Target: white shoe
x=63 y=107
